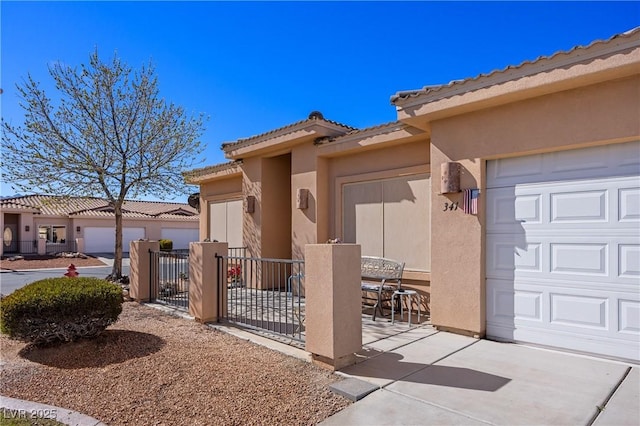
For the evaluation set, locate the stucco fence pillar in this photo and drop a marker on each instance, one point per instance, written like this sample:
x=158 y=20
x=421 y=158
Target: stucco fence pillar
x=80 y=245
x=140 y=269
x=333 y=319
x=207 y=289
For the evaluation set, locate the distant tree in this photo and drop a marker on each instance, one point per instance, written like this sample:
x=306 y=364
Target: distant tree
x=108 y=134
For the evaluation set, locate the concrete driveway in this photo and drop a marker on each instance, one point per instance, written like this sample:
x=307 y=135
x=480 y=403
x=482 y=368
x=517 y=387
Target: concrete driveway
x=443 y=378
x=13 y=280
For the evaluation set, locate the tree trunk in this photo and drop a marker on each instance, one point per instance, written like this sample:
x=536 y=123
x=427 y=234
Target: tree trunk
x=116 y=272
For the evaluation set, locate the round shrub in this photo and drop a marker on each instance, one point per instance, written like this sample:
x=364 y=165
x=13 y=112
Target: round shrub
x=166 y=245
x=60 y=309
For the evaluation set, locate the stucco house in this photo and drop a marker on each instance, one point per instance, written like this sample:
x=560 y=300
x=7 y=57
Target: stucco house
x=550 y=255
x=63 y=221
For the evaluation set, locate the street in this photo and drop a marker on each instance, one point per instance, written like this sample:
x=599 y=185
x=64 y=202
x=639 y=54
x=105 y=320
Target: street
x=12 y=280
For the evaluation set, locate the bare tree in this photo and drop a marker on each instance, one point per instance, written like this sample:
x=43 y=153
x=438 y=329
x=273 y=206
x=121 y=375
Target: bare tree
x=108 y=134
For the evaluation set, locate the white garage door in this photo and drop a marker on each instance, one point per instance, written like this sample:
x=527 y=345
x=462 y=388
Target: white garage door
x=225 y=222
x=563 y=250
x=181 y=237
x=103 y=239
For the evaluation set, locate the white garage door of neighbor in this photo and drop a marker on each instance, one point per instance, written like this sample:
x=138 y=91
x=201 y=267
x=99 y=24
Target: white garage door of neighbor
x=103 y=239
x=563 y=250
x=181 y=237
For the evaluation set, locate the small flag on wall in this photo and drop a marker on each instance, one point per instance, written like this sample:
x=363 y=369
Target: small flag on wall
x=470 y=204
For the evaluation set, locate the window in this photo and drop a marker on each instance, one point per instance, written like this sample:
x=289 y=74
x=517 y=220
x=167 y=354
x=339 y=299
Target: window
x=53 y=233
x=390 y=218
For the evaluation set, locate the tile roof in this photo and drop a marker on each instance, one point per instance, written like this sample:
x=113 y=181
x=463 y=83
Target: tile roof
x=193 y=175
x=402 y=96
x=51 y=205
x=371 y=131
x=314 y=117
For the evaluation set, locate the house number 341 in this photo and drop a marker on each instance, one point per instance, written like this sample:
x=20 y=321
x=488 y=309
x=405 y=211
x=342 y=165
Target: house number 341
x=450 y=206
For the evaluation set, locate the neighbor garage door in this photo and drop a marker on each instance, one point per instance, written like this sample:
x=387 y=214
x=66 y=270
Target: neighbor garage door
x=181 y=237
x=563 y=250
x=103 y=239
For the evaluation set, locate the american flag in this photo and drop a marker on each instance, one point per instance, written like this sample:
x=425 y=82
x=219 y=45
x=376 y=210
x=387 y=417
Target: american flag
x=470 y=205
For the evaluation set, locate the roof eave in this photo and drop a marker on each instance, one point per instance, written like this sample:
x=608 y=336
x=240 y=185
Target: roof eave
x=601 y=61
x=217 y=171
x=284 y=139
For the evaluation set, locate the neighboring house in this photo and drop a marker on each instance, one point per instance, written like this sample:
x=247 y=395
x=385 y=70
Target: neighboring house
x=552 y=256
x=62 y=222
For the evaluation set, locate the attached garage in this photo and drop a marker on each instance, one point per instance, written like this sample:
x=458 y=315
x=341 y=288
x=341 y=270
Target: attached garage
x=181 y=237
x=563 y=250
x=103 y=239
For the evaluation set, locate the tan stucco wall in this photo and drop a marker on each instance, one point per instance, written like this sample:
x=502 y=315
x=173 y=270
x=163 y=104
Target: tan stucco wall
x=276 y=207
x=304 y=222
x=252 y=222
x=592 y=115
x=370 y=165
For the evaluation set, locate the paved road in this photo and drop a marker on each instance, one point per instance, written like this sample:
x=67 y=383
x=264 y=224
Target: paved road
x=12 y=280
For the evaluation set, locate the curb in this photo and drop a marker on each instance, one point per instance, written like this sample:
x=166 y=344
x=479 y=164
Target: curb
x=17 y=408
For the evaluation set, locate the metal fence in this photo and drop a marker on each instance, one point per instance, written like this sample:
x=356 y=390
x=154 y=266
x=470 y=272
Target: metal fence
x=31 y=247
x=21 y=247
x=264 y=294
x=169 y=278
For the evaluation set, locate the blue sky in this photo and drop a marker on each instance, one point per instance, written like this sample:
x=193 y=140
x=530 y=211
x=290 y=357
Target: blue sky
x=255 y=66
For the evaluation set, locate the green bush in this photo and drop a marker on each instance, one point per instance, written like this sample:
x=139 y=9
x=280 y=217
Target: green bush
x=166 y=245
x=60 y=309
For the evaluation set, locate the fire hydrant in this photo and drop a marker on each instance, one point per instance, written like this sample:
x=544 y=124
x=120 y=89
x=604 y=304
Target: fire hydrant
x=71 y=271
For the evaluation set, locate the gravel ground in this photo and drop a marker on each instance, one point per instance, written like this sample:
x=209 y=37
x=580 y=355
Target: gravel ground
x=46 y=262
x=150 y=368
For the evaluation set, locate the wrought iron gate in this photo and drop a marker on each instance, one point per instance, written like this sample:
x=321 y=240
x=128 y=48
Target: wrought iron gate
x=263 y=294
x=169 y=278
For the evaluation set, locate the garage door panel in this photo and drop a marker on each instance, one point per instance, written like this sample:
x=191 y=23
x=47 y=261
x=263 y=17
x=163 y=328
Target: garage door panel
x=510 y=256
x=596 y=162
x=563 y=309
x=629 y=199
x=103 y=239
x=581 y=207
x=581 y=259
x=629 y=261
x=508 y=211
x=563 y=250
x=579 y=311
x=181 y=237
x=516 y=169
x=629 y=322
x=565 y=162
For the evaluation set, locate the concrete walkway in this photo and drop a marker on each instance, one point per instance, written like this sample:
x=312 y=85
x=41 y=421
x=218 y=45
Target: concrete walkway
x=426 y=377
x=420 y=376
x=19 y=409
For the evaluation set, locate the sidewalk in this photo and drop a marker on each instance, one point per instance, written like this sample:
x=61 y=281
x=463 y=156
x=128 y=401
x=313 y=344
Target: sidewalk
x=443 y=378
x=19 y=409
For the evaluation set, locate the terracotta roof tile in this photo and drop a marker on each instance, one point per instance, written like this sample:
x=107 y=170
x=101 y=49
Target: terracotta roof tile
x=51 y=205
x=203 y=171
x=313 y=118
x=407 y=94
